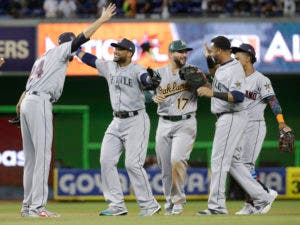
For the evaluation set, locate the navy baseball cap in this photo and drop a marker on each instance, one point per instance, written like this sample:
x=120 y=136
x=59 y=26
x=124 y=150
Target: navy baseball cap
x=178 y=45
x=247 y=49
x=125 y=44
x=66 y=37
x=244 y=48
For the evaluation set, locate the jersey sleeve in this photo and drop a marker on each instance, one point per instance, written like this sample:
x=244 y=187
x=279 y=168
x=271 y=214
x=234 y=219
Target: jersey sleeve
x=265 y=87
x=64 y=50
x=139 y=70
x=237 y=80
x=102 y=67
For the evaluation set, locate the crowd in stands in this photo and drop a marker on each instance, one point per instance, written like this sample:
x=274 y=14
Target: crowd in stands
x=149 y=8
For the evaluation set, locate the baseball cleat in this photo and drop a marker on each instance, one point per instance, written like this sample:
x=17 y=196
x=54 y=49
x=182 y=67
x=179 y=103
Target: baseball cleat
x=25 y=213
x=150 y=212
x=168 y=208
x=177 y=209
x=209 y=212
x=246 y=210
x=113 y=211
x=266 y=207
x=43 y=213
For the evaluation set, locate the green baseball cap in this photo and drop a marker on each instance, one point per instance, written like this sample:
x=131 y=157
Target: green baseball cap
x=178 y=45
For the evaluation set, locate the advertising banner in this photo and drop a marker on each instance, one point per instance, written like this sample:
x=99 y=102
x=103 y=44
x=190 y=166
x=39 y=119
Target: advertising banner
x=17 y=47
x=79 y=184
x=277 y=45
x=11 y=154
x=274 y=178
x=293 y=182
x=156 y=35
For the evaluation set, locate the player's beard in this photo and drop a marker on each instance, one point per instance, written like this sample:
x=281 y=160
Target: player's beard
x=180 y=62
x=119 y=59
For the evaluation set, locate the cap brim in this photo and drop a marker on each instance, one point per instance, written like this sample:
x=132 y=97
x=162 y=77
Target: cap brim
x=116 y=45
x=237 y=49
x=182 y=49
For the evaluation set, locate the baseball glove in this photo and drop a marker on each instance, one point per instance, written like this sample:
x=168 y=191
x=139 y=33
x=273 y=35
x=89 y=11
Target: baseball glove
x=154 y=79
x=193 y=76
x=286 y=140
x=15 y=121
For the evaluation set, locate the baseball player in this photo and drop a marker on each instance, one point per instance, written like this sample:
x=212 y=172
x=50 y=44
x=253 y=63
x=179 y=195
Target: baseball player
x=259 y=93
x=227 y=97
x=177 y=127
x=128 y=130
x=43 y=88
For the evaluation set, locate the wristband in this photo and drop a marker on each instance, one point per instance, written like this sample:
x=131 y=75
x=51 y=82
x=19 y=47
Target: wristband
x=279 y=118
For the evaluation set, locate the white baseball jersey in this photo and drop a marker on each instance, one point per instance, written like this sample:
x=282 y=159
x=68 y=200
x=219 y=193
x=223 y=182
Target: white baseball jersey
x=179 y=100
x=124 y=84
x=48 y=74
x=228 y=77
x=258 y=87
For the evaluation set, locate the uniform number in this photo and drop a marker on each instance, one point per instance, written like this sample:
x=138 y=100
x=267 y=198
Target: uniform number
x=37 y=70
x=181 y=103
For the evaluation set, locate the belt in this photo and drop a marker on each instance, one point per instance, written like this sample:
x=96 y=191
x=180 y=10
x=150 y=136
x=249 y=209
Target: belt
x=123 y=114
x=41 y=93
x=177 y=118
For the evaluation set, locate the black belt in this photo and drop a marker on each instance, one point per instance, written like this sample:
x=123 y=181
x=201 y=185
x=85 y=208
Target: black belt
x=123 y=114
x=177 y=118
x=38 y=94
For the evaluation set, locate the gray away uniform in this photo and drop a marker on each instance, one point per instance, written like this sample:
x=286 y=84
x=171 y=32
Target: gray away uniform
x=226 y=153
x=132 y=133
x=44 y=86
x=176 y=133
x=258 y=87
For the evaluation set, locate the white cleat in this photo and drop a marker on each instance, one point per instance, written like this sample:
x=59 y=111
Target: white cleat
x=266 y=207
x=177 y=209
x=246 y=210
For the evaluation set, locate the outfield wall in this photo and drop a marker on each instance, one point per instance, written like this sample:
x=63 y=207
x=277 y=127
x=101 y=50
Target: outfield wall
x=78 y=184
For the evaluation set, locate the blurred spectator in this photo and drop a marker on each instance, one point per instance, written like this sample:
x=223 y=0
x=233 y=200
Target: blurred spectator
x=67 y=8
x=50 y=8
x=100 y=5
x=268 y=8
x=144 y=7
x=149 y=8
x=129 y=8
x=89 y=8
x=242 y=8
x=165 y=9
x=216 y=7
x=289 y=7
x=179 y=7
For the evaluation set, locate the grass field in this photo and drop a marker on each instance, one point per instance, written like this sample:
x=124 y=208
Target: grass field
x=283 y=212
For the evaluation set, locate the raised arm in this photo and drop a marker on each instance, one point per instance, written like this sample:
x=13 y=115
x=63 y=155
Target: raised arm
x=83 y=37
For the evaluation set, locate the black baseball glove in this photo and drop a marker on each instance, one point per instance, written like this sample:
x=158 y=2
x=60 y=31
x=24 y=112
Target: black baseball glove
x=15 y=121
x=193 y=76
x=153 y=79
x=286 y=140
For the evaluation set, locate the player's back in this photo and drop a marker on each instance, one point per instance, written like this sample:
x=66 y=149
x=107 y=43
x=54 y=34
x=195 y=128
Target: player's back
x=257 y=88
x=48 y=72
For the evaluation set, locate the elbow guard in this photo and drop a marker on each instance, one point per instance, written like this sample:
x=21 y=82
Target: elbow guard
x=89 y=59
x=78 y=41
x=237 y=96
